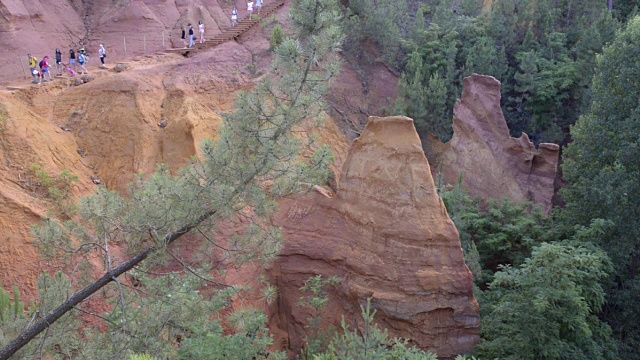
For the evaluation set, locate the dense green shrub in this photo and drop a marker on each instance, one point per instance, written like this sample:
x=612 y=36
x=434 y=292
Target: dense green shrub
x=277 y=37
x=602 y=168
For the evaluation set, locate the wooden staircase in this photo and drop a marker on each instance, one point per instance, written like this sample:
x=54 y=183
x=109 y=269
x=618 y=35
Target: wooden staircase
x=233 y=33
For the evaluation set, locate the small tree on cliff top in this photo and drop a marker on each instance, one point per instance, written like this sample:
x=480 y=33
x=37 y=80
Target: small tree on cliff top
x=155 y=307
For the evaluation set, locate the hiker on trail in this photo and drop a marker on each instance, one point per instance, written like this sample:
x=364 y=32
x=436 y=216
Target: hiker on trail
x=191 y=36
x=201 y=29
x=234 y=17
x=44 y=66
x=33 y=63
x=82 y=60
x=250 y=8
x=102 y=53
x=259 y=5
x=58 y=62
x=72 y=59
x=183 y=36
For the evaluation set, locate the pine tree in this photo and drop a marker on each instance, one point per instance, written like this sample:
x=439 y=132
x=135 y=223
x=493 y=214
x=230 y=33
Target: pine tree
x=371 y=343
x=438 y=117
x=238 y=178
x=602 y=168
x=483 y=58
x=545 y=308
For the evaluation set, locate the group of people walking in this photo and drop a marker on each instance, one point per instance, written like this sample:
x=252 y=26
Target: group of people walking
x=189 y=31
x=250 y=8
x=192 y=36
x=77 y=63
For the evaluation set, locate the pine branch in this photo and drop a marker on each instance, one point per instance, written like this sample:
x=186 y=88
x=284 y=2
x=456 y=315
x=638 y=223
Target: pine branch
x=30 y=333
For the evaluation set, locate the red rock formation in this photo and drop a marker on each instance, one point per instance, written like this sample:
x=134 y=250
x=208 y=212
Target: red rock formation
x=492 y=163
x=388 y=235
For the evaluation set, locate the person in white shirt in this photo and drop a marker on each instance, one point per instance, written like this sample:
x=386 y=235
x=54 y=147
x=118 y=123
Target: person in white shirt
x=250 y=8
x=234 y=17
x=201 y=28
x=102 y=52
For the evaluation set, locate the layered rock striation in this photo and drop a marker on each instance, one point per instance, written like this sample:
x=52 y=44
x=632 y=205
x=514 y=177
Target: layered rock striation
x=491 y=163
x=387 y=234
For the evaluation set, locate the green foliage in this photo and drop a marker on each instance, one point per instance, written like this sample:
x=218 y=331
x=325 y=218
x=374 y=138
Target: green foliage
x=625 y=9
x=382 y=21
x=494 y=234
x=10 y=309
x=543 y=87
x=57 y=188
x=51 y=291
x=249 y=342
x=542 y=294
x=602 y=168
x=370 y=344
x=317 y=286
x=543 y=52
x=506 y=232
x=317 y=300
x=545 y=309
x=277 y=37
x=142 y=357
x=430 y=84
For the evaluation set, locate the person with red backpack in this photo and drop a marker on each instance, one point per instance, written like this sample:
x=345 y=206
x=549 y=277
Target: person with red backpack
x=44 y=69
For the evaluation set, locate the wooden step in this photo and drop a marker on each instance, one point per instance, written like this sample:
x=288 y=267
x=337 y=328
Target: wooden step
x=181 y=50
x=229 y=34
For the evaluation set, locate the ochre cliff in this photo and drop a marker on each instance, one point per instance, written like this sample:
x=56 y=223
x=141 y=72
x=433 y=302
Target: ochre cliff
x=387 y=234
x=492 y=164
x=126 y=28
x=113 y=122
x=28 y=139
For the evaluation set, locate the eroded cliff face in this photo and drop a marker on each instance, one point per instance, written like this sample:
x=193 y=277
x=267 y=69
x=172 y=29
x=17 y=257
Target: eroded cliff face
x=125 y=27
x=387 y=234
x=28 y=139
x=108 y=129
x=492 y=164
x=112 y=121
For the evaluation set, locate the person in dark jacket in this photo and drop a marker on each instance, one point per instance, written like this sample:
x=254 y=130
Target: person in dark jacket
x=183 y=36
x=72 y=60
x=192 y=38
x=58 y=62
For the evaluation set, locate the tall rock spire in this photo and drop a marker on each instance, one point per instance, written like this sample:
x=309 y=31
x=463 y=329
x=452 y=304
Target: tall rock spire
x=388 y=235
